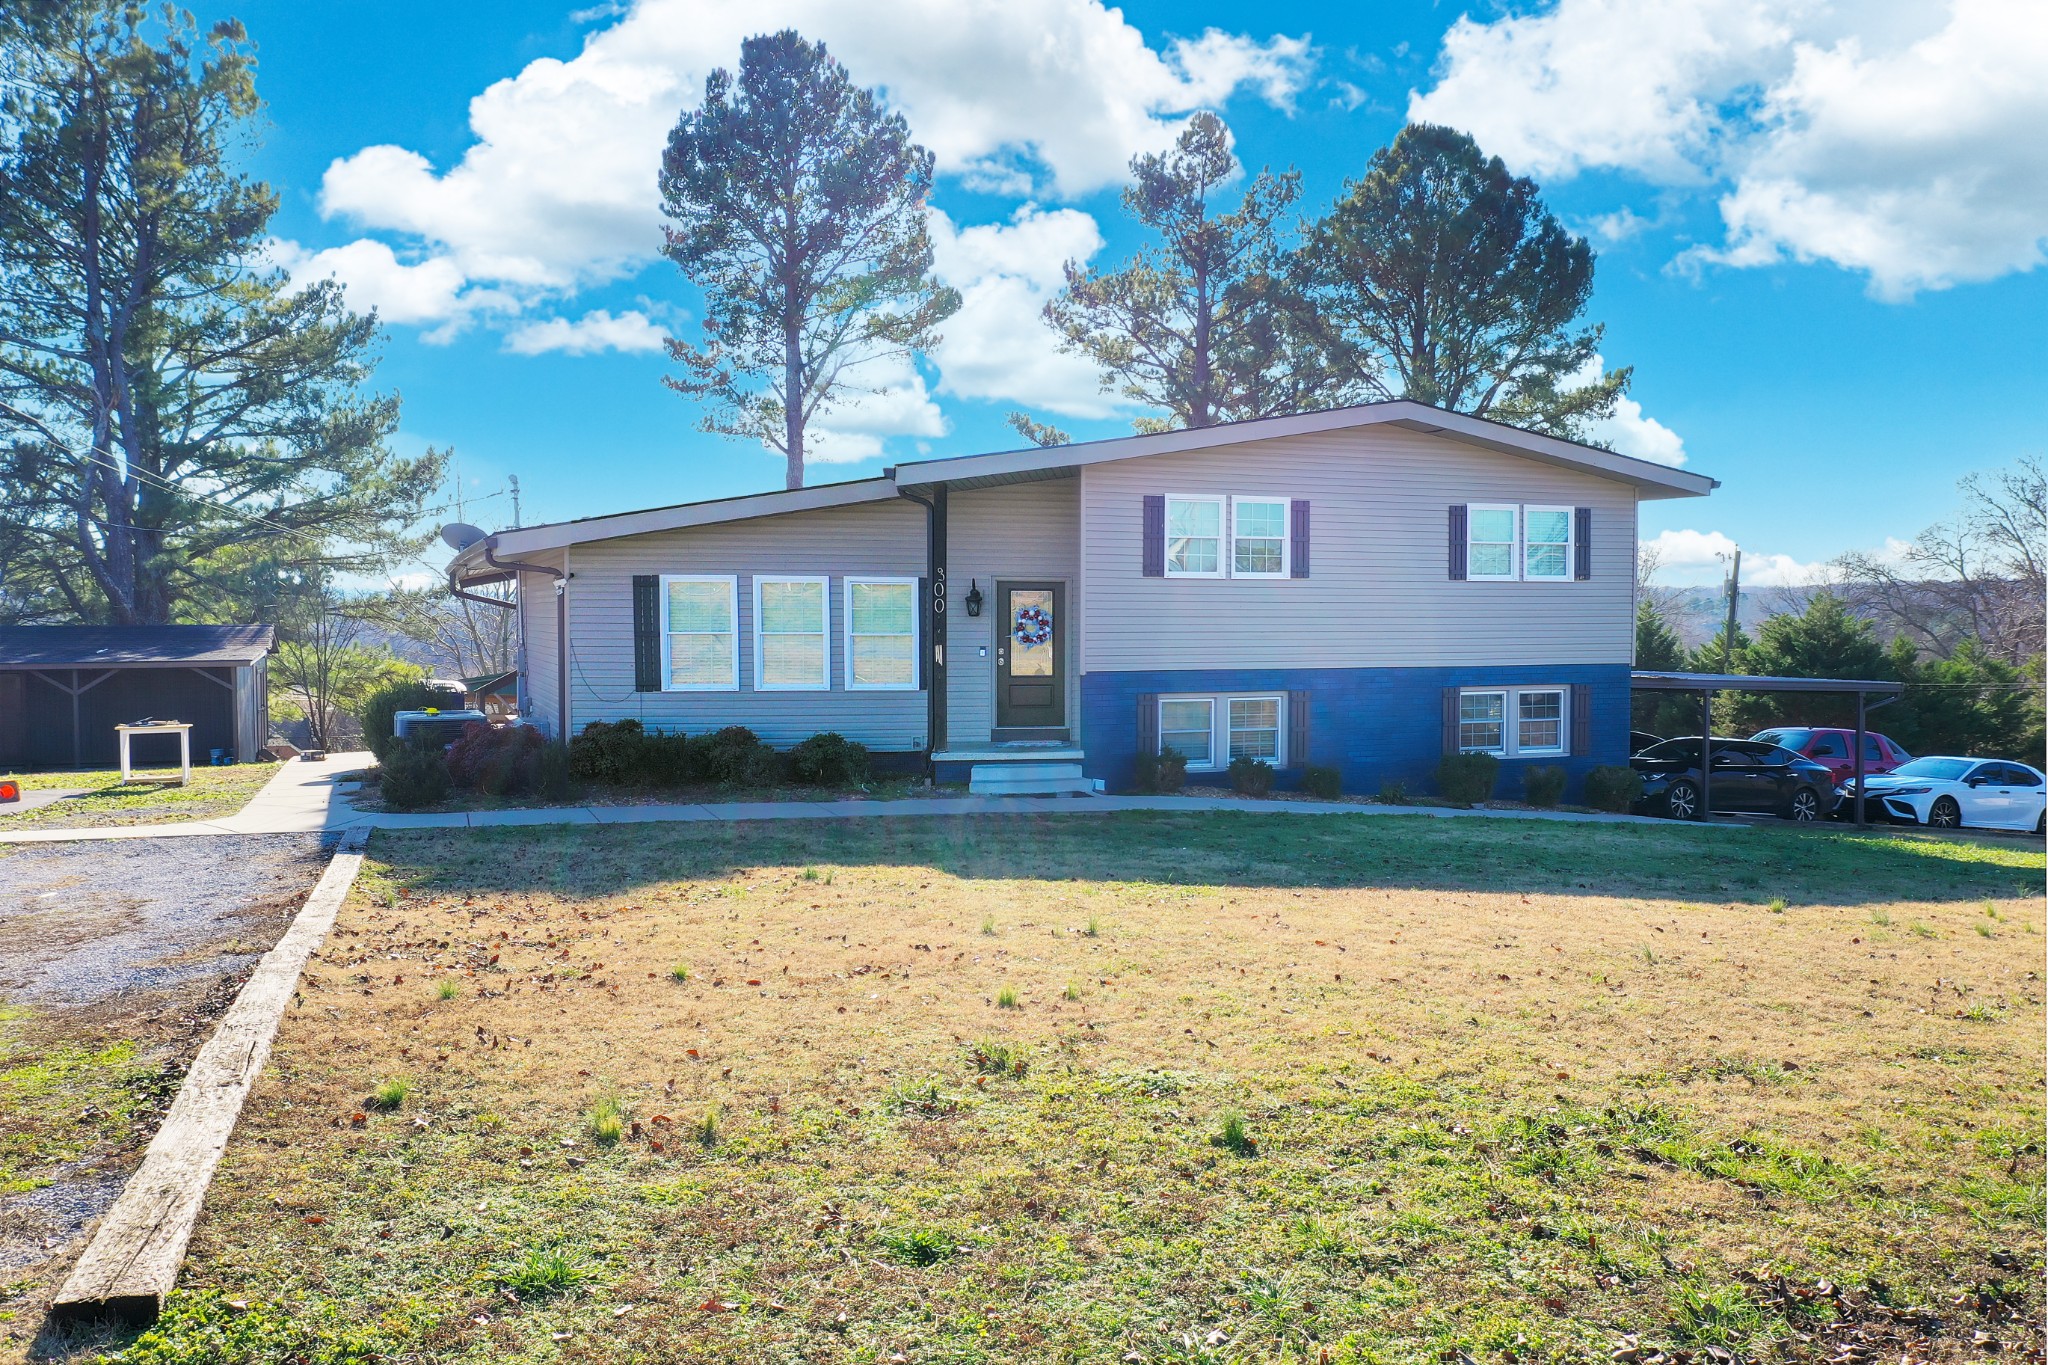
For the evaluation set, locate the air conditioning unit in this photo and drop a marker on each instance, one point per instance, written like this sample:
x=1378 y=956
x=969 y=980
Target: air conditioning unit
x=437 y=727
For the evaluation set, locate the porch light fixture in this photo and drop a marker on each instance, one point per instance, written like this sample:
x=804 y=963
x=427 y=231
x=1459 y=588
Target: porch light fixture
x=973 y=598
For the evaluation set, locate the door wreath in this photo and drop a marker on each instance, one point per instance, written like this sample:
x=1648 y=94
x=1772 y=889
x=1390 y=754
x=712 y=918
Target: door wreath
x=1033 y=626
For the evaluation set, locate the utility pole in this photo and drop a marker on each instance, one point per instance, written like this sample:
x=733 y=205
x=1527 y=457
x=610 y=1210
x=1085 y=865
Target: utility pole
x=1734 y=596
x=513 y=479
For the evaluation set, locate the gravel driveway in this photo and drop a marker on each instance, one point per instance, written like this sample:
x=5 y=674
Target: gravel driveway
x=116 y=958
x=82 y=923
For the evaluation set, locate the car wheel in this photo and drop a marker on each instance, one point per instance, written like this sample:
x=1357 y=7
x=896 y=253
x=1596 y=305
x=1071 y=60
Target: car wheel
x=2041 y=824
x=1682 y=801
x=1805 y=806
x=1945 y=813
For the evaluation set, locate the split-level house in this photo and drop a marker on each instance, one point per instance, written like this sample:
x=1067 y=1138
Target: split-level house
x=1366 y=588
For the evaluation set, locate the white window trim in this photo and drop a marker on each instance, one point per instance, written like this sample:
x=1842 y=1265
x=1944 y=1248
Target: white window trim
x=1571 y=546
x=732 y=600
x=1286 y=536
x=1514 y=544
x=1193 y=767
x=916 y=633
x=824 y=634
x=1219 y=725
x=1222 y=505
x=1511 y=720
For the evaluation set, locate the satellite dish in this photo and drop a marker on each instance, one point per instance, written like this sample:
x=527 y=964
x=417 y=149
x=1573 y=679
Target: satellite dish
x=460 y=535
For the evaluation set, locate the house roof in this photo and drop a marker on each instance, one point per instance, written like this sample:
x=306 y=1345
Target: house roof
x=132 y=646
x=1650 y=479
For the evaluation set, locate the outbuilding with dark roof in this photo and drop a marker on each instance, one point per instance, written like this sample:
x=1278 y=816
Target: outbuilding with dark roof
x=63 y=689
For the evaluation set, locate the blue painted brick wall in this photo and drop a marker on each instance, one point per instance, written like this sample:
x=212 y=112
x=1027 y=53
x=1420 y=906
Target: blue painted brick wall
x=1374 y=724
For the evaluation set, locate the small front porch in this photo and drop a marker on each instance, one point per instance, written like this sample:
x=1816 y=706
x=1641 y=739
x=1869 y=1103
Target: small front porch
x=1027 y=768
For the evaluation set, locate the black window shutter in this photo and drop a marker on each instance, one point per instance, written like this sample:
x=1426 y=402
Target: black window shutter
x=646 y=632
x=1155 y=536
x=1582 y=543
x=1148 y=722
x=1298 y=538
x=1450 y=720
x=1582 y=722
x=1459 y=548
x=1297 y=723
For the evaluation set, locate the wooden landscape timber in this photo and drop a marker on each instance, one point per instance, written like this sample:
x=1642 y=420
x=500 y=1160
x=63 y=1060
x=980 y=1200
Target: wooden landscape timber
x=133 y=1260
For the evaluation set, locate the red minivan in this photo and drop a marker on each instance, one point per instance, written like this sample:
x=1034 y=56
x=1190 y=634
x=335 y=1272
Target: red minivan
x=1833 y=748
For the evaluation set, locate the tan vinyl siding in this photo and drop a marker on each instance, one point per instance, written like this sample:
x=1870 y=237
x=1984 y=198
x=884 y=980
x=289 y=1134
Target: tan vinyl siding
x=1016 y=531
x=1379 y=594
x=882 y=539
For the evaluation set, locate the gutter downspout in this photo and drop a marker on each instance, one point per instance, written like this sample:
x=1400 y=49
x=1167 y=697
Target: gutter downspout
x=935 y=618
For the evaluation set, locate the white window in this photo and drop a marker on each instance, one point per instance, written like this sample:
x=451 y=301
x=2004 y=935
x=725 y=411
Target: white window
x=881 y=633
x=1255 y=728
x=1546 y=542
x=1491 y=541
x=1187 y=725
x=1539 y=720
x=1482 y=722
x=700 y=618
x=1258 y=537
x=1194 y=537
x=1211 y=731
x=1514 y=722
x=790 y=635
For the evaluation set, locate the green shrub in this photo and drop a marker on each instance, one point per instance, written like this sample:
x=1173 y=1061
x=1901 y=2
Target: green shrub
x=415 y=775
x=727 y=755
x=501 y=760
x=1393 y=792
x=1323 y=782
x=764 y=767
x=1543 y=786
x=1467 y=779
x=1162 y=773
x=380 y=708
x=829 y=760
x=609 y=751
x=1614 y=787
x=1251 y=776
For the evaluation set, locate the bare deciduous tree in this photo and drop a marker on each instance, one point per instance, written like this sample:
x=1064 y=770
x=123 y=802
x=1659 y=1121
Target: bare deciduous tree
x=1976 y=576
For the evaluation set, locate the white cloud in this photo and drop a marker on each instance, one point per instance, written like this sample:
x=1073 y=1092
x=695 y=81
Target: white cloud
x=372 y=276
x=998 y=345
x=893 y=401
x=1630 y=430
x=1890 y=137
x=1688 y=558
x=558 y=187
x=595 y=331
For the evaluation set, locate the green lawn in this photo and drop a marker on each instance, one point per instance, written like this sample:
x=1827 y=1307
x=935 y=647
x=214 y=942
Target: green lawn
x=106 y=801
x=1166 y=1087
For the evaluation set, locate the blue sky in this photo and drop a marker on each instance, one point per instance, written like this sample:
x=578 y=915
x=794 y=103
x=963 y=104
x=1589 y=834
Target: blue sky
x=1820 y=226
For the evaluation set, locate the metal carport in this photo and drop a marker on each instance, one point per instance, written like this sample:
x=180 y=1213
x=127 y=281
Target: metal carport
x=1707 y=684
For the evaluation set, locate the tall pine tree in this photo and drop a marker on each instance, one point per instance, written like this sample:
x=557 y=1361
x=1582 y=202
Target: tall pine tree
x=1204 y=324
x=799 y=204
x=1442 y=278
x=177 y=423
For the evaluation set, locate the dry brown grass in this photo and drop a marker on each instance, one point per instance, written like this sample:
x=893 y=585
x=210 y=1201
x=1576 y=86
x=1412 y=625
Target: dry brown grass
x=1493 y=1104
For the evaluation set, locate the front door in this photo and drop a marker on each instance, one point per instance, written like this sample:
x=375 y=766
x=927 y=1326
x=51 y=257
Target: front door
x=1031 y=656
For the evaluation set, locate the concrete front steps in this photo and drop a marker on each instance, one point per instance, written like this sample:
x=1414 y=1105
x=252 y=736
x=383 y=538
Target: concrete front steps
x=1017 y=777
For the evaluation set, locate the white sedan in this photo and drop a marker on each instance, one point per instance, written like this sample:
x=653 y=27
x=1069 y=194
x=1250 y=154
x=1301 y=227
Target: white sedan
x=1947 y=793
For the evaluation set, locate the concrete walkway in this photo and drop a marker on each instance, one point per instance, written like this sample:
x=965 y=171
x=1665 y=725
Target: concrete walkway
x=307 y=798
